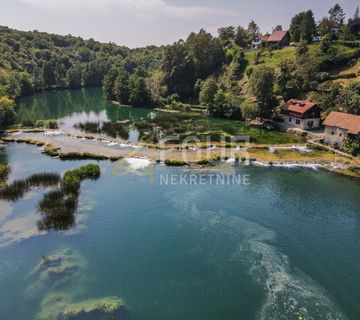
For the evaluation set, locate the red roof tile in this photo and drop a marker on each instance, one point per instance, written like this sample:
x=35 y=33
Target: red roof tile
x=350 y=122
x=277 y=36
x=298 y=106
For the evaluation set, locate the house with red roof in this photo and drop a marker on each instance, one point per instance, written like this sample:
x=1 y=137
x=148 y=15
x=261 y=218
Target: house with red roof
x=279 y=39
x=301 y=114
x=340 y=126
x=259 y=41
x=276 y=40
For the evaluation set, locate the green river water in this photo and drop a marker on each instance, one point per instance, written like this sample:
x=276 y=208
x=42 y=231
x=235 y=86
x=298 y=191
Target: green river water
x=284 y=246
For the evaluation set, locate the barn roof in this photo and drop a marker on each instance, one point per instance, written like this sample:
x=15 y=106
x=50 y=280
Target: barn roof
x=277 y=36
x=350 y=122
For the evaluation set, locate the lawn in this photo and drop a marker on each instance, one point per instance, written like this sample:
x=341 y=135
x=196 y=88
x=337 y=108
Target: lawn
x=258 y=136
x=188 y=124
x=274 y=57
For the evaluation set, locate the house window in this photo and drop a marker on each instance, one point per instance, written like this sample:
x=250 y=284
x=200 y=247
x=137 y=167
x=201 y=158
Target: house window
x=332 y=133
x=297 y=121
x=340 y=135
x=310 y=124
x=290 y=119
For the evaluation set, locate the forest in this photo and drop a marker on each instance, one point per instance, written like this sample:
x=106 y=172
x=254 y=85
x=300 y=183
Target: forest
x=218 y=74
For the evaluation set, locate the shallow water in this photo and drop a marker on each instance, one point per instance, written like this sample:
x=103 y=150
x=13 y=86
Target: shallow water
x=89 y=110
x=72 y=107
x=286 y=246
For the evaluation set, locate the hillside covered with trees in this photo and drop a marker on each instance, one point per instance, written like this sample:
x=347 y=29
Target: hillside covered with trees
x=218 y=74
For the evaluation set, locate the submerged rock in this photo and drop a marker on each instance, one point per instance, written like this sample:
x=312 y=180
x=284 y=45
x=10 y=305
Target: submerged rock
x=59 y=282
x=55 y=271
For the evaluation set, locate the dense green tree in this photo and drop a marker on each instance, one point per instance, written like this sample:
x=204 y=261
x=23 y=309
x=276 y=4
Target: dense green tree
x=308 y=26
x=26 y=83
x=250 y=109
x=94 y=73
x=262 y=87
x=354 y=24
x=138 y=93
x=352 y=145
x=242 y=38
x=109 y=83
x=156 y=86
x=253 y=29
x=225 y=105
x=48 y=74
x=337 y=14
x=121 y=87
x=179 y=71
x=47 y=59
x=206 y=53
x=303 y=26
x=326 y=95
x=208 y=90
x=349 y=98
x=9 y=85
x=73 y=77
x=278 y=28
x=85 y=54
x=226 y=33
x=287 y=81
x=7 y=113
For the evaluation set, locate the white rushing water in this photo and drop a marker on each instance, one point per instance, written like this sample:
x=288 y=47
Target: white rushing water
x=138 y=163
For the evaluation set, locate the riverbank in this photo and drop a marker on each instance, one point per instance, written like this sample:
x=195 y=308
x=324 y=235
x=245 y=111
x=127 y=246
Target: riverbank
x=69 y=146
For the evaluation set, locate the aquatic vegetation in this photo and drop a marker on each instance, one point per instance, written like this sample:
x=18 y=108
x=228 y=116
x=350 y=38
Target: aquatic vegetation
x=86 y=156
x=63 y=306
x=55 y=271
x=4 y=172
x=102 y=309
x=112 y=129
x=175 y=163
x=48 y=124
x=27 y=141
x=53 y=151
x=18 y=188
x=58 y=280
x=58 y=207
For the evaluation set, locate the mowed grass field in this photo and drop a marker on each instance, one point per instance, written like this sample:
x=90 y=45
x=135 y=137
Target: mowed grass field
x=275 y=57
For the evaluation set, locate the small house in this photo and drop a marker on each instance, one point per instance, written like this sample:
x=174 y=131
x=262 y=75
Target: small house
x=301 y=114
x=340 y=126
x=259 y=41
x=279 y=39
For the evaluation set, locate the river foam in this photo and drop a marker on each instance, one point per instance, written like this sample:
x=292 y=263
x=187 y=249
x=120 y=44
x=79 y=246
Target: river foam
x=289 y=292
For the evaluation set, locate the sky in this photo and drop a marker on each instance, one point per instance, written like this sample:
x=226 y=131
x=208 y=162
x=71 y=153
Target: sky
x=137 y=23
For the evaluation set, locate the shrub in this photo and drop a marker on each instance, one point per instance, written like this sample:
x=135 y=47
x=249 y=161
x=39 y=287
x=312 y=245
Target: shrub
x=175 y=163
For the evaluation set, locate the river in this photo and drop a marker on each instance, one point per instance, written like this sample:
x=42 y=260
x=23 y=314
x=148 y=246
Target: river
x=285 y=245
